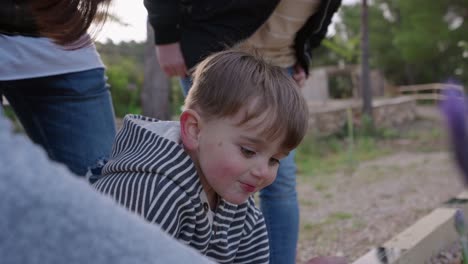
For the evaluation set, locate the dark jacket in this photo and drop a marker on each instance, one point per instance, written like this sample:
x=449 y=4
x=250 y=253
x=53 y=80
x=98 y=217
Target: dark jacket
x=314 y=31
x=206 y=26
x=16 y=18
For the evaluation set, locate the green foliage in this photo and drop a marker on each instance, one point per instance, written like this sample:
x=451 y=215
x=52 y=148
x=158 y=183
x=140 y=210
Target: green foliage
x=318 y=155
x=125 y=82
x=112 y=53
x=348 y=50
x=340 y=216
x=176 y=97
x=414 y=41
x=341 y=87
x=10 y=114
x=125 y=69
x=367 y=127
x=343 y=151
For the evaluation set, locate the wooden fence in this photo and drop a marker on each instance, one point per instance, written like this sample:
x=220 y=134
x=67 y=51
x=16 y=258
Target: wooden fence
x=427 y=92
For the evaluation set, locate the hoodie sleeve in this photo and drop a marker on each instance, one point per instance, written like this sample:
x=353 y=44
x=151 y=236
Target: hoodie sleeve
x=164 y=16
x=254 y=247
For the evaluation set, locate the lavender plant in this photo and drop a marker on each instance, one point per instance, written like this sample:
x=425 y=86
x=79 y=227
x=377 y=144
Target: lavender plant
x=460 y=227
x=455 y=111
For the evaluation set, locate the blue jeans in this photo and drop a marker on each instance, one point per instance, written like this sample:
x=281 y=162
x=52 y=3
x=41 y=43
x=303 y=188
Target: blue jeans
x=69 y=115
x=185 y=83
x=279 y=205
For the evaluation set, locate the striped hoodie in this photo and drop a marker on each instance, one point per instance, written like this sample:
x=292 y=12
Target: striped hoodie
x=150 y=174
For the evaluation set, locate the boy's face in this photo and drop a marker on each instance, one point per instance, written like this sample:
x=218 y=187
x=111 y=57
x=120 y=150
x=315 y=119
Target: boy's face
x=236 y=160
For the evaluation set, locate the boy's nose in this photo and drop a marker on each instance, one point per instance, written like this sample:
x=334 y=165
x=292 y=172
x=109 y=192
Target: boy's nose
x=261 y=170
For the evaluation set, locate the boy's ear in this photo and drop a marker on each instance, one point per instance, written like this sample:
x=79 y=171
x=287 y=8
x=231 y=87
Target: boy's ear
x=190 y=129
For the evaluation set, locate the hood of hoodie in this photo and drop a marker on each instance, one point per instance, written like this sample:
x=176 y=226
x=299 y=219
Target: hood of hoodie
x=148 y=145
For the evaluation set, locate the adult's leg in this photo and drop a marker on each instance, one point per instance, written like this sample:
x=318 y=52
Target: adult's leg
x=280 y=208
x=69 y=115
x=186 y=83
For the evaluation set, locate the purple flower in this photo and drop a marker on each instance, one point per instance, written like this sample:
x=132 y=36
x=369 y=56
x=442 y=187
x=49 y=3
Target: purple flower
x=460 y=222
x=455 y=110
x=460 y=227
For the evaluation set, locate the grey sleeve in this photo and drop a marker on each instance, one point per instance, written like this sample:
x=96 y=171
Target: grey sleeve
x=47 y=215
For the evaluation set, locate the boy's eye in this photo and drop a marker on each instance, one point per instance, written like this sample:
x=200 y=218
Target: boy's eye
x=247 y=152
x=274 y=161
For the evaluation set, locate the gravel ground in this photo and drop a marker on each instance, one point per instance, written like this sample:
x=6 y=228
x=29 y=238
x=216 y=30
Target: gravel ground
x=450 y=255
x=358 y=211
x=349 y=213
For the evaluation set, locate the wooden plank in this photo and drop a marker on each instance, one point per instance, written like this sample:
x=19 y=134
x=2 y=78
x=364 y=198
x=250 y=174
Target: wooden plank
x=424 y=239
x=434 y=96
x=428 y=87
x=431 y=92
x=371 y=257
x=418 y=243
x=417 y=88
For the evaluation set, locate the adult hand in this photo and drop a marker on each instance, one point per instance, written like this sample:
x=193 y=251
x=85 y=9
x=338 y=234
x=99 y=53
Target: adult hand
x=299 y=75
x=327 y=260
x=171 y=60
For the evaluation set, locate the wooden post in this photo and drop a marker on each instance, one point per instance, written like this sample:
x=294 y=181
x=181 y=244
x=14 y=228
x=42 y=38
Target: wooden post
x=365 y=84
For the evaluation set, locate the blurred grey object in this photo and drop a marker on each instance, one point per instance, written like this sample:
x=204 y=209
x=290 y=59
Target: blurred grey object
x=47 y=215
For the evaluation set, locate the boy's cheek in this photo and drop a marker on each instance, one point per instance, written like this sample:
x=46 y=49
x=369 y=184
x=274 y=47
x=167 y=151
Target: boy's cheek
x=270 y=181
x=224 y=168
x=226 y=163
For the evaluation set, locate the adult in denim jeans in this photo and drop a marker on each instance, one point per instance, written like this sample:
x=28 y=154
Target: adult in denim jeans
x=59 y=93
x=187 y=31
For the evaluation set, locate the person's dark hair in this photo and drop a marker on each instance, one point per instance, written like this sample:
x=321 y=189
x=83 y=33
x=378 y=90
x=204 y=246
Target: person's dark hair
x=67 y=21
x=228 y=81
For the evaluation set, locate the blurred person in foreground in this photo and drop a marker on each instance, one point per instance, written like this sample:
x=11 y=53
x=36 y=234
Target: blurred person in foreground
x=48 y=215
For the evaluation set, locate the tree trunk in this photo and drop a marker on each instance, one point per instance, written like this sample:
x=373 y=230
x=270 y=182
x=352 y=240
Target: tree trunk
x=156 y=85
x=365 y=83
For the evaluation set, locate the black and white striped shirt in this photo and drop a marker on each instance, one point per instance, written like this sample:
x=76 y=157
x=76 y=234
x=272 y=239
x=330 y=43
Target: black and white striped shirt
x=154 y=177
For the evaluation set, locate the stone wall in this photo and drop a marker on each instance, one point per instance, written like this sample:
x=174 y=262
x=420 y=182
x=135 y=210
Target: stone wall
x=331 y=116
x=317 y=86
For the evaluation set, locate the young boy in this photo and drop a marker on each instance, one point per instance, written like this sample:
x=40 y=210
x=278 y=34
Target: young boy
x=195 y=178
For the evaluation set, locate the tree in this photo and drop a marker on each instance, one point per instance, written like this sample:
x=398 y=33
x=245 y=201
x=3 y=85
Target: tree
x=124 y=63
x=365 y=83
x=156 y=86
x=413 y=41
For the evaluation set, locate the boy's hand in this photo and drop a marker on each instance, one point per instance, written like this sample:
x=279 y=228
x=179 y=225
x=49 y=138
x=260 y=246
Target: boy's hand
x=327 y=260
x=171 y=60
x=299 y=75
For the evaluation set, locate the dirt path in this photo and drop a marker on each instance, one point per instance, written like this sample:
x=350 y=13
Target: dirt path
x=348 y=213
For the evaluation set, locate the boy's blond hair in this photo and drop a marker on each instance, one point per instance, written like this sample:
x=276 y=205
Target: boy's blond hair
x=226 y=81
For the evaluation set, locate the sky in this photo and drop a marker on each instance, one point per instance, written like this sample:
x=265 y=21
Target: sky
x=134 y=14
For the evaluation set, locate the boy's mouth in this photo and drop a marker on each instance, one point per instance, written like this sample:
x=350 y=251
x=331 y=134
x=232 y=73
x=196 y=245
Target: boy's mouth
x=247 y=187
